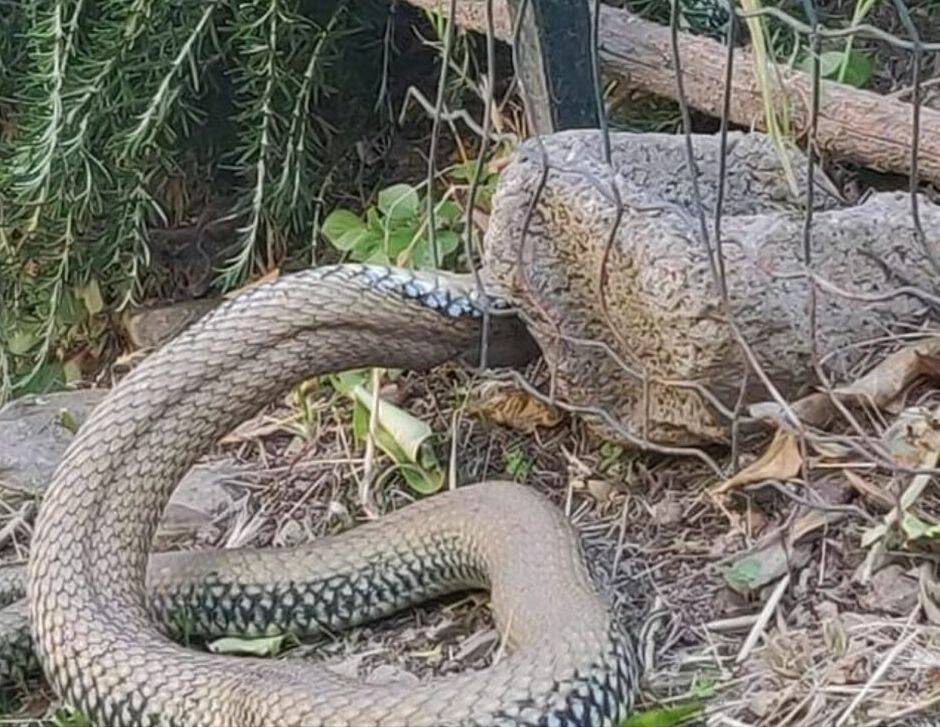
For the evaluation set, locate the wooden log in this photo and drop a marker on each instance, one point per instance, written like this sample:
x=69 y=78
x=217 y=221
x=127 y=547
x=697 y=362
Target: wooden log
x=860 y=126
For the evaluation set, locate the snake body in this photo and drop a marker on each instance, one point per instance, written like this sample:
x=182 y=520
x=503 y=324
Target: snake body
x=97 y=628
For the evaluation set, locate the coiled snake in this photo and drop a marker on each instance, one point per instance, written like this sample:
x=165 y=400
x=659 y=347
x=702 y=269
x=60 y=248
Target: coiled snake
x=570 y=664
x=606 y=256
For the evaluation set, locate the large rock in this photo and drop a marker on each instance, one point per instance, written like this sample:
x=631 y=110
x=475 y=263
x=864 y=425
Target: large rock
x=36 y=430
x=606 y=263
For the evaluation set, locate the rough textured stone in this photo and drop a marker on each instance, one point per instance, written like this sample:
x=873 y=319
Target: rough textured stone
x=36 y=430
x=152 y=327
x=607 y=264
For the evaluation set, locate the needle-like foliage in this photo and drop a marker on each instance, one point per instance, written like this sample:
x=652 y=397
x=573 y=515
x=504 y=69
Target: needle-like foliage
x=119 y=117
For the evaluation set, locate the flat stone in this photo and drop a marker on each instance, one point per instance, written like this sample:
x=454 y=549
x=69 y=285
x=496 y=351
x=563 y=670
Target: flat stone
x=36 y=430
x=152 y=327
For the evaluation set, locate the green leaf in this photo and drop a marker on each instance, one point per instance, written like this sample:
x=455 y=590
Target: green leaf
x=423 y=254
x=857 y=71
x=49 y=377
x=401 y=436
x=448 y=212
x=749 y=573
x=71 y=310
x=262 y=646
x=663 y=716
x=465 y=171
x=91 y=296
x=399 y=202
x=344 y=230
x=408 y=432
x=22 y=341
x=399 y=240
x=422 y=481
x=917 y=529
x=70 y=717
x=346 y=381
x=68 y=421
x=374 y=221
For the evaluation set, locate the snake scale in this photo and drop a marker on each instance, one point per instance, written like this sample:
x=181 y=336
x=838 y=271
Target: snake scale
x=588 y=251
x=570 y=662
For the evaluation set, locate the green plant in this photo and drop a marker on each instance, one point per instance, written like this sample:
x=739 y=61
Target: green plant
x=681 y=714
x=396 y=230
x=408 y=441
x=517 y=463
x=848 y=65
x=70 y=717
x=118 y=117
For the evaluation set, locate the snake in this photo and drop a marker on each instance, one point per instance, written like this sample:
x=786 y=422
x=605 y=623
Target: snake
x=586 y=247
x=102 y=609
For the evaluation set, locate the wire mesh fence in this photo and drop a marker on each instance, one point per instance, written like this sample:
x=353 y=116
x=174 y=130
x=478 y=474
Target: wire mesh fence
x=538 y=276
x=708 y=220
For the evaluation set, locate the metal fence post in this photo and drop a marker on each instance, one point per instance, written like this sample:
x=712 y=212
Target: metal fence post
x=555 y=70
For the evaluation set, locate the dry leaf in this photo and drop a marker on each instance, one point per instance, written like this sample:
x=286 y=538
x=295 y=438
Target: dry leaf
x=913 y=436
x=870 y=492
x=516 y=409
x=891 y=590
x=893 y=375
x=781 y=461
x=879 y=387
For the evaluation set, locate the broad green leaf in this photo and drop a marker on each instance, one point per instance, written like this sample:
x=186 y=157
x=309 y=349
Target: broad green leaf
x=663 y=716
x=374 y=221
x=448 y=212
x=858 y=70
x=366 y=246
x=399 y=202
x=343 y=229
x=262 y=646
x=465 y=171
x=399 y=240
x=408 y=431
x=423 y=254
x=49 y=377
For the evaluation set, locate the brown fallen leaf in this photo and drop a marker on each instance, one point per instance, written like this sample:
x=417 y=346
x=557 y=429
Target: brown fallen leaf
x=913 y=435
x=516 y=409
x=892 y=376
x=880 y=387
x=869 y=491
x=782 y=460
